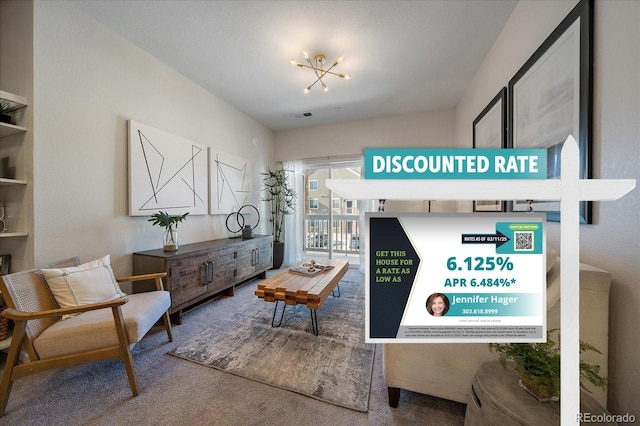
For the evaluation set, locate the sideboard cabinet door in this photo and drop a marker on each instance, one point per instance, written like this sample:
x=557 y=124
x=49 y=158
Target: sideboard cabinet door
x=254 y=256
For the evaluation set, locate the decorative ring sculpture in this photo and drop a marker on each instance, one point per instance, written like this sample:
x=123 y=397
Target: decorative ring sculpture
x=240 y=225
x=257 y=214
x=240 y=221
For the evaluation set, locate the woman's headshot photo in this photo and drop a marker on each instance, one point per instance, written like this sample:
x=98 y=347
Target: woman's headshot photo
x=438 y=304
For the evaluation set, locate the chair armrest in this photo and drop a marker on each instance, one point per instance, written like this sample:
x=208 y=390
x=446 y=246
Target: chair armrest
x=142 y=277
x=153 y=276
x=17 y=315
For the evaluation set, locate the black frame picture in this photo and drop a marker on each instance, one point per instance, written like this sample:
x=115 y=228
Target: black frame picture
x=490 y=131
x=551 y=97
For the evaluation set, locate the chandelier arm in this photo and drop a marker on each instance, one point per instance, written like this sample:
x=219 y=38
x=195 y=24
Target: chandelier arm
x=314 y=68
x=324 y=72
x=332 y=73
x=319 y=79
x=327 y=71
x=313 y=84
x=300 y=64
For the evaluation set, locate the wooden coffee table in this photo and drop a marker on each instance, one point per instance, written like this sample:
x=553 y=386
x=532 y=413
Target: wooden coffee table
x=294 y=289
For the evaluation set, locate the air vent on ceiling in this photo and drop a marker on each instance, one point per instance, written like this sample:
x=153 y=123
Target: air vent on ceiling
x=302 y=114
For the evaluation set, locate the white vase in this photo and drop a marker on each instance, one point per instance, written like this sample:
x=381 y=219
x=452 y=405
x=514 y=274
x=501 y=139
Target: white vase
x=170 y=240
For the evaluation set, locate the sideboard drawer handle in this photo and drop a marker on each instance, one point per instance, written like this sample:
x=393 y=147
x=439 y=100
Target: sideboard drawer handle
x=205 y=280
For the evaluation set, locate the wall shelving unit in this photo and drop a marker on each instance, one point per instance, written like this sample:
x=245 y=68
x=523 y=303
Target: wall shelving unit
x=15 y=105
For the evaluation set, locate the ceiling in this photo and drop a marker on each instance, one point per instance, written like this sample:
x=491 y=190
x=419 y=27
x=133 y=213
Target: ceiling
x=404 y=56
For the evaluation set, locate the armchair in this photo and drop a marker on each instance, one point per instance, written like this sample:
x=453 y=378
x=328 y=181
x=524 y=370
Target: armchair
x=90 y=332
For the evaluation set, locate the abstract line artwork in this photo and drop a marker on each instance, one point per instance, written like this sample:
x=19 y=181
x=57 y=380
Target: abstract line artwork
x=166 y=172
x=230 y=186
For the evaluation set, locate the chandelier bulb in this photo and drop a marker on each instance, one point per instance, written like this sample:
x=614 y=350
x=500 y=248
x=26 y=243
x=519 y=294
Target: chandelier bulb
x=306 y=90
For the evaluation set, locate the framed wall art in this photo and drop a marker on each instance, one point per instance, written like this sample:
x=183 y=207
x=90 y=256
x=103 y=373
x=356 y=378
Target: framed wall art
x=230 y=182
x=166 y=173
x=551 y=97
x=490 y=131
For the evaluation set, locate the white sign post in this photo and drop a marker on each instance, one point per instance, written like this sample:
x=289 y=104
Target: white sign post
x=569 y=190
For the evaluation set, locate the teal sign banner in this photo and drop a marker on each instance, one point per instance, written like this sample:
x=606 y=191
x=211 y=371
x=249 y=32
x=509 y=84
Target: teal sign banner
x=437 y=163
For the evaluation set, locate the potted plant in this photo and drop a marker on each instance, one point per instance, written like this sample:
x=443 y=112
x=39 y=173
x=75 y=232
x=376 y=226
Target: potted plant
x=539 y=366
x=280 y=199
x=168 y=222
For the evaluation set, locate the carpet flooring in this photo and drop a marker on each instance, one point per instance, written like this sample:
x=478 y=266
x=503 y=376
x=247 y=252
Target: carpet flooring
x=334 y=367
x=177 y=392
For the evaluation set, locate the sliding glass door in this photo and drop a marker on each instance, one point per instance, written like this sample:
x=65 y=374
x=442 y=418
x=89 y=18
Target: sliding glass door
x=331 y=223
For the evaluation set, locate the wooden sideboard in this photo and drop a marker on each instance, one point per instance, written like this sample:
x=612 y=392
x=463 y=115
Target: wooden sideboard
x=200 y=270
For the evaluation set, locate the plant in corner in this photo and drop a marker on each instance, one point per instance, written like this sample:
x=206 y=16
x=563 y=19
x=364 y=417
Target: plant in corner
x=280 y=199
x=539 y=366
x=168 y=222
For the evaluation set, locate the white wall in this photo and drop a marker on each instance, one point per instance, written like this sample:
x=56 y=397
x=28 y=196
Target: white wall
x=613 y=241
x=87 y=83
x=431 y=129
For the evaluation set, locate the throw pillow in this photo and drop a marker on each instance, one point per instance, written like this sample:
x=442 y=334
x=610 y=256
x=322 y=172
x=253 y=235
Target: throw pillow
x=91 y=282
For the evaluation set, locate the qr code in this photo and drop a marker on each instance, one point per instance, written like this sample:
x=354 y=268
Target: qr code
x=523 y=241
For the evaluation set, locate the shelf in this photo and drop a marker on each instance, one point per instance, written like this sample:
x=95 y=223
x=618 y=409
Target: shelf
x=13 y=234
x=10 y=182
x=7 y=129
x=15 y=101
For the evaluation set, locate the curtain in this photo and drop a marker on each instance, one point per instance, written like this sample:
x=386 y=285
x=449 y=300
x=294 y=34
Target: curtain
x=364 y=206
x=294 y=224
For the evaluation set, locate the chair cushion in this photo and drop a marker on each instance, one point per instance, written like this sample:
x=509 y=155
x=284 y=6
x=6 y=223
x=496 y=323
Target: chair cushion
x=95 y=329
x=91 y=282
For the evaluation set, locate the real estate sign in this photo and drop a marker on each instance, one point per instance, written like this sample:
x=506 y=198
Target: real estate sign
x=455 y=278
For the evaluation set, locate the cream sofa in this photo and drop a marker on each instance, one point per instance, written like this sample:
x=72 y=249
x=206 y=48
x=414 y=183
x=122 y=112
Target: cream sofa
x=447 y=370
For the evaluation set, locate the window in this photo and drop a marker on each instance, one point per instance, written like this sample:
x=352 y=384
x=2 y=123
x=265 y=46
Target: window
x=335 y=203
x=313 y=185
x=313 y=203
x=349 y=207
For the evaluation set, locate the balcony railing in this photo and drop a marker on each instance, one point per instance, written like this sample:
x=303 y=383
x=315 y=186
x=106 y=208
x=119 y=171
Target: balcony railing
x=344 y=235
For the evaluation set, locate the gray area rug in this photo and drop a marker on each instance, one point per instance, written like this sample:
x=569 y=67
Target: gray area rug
x=334 y=367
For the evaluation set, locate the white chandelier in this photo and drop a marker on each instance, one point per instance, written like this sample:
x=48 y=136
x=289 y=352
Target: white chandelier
x=318 y=68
